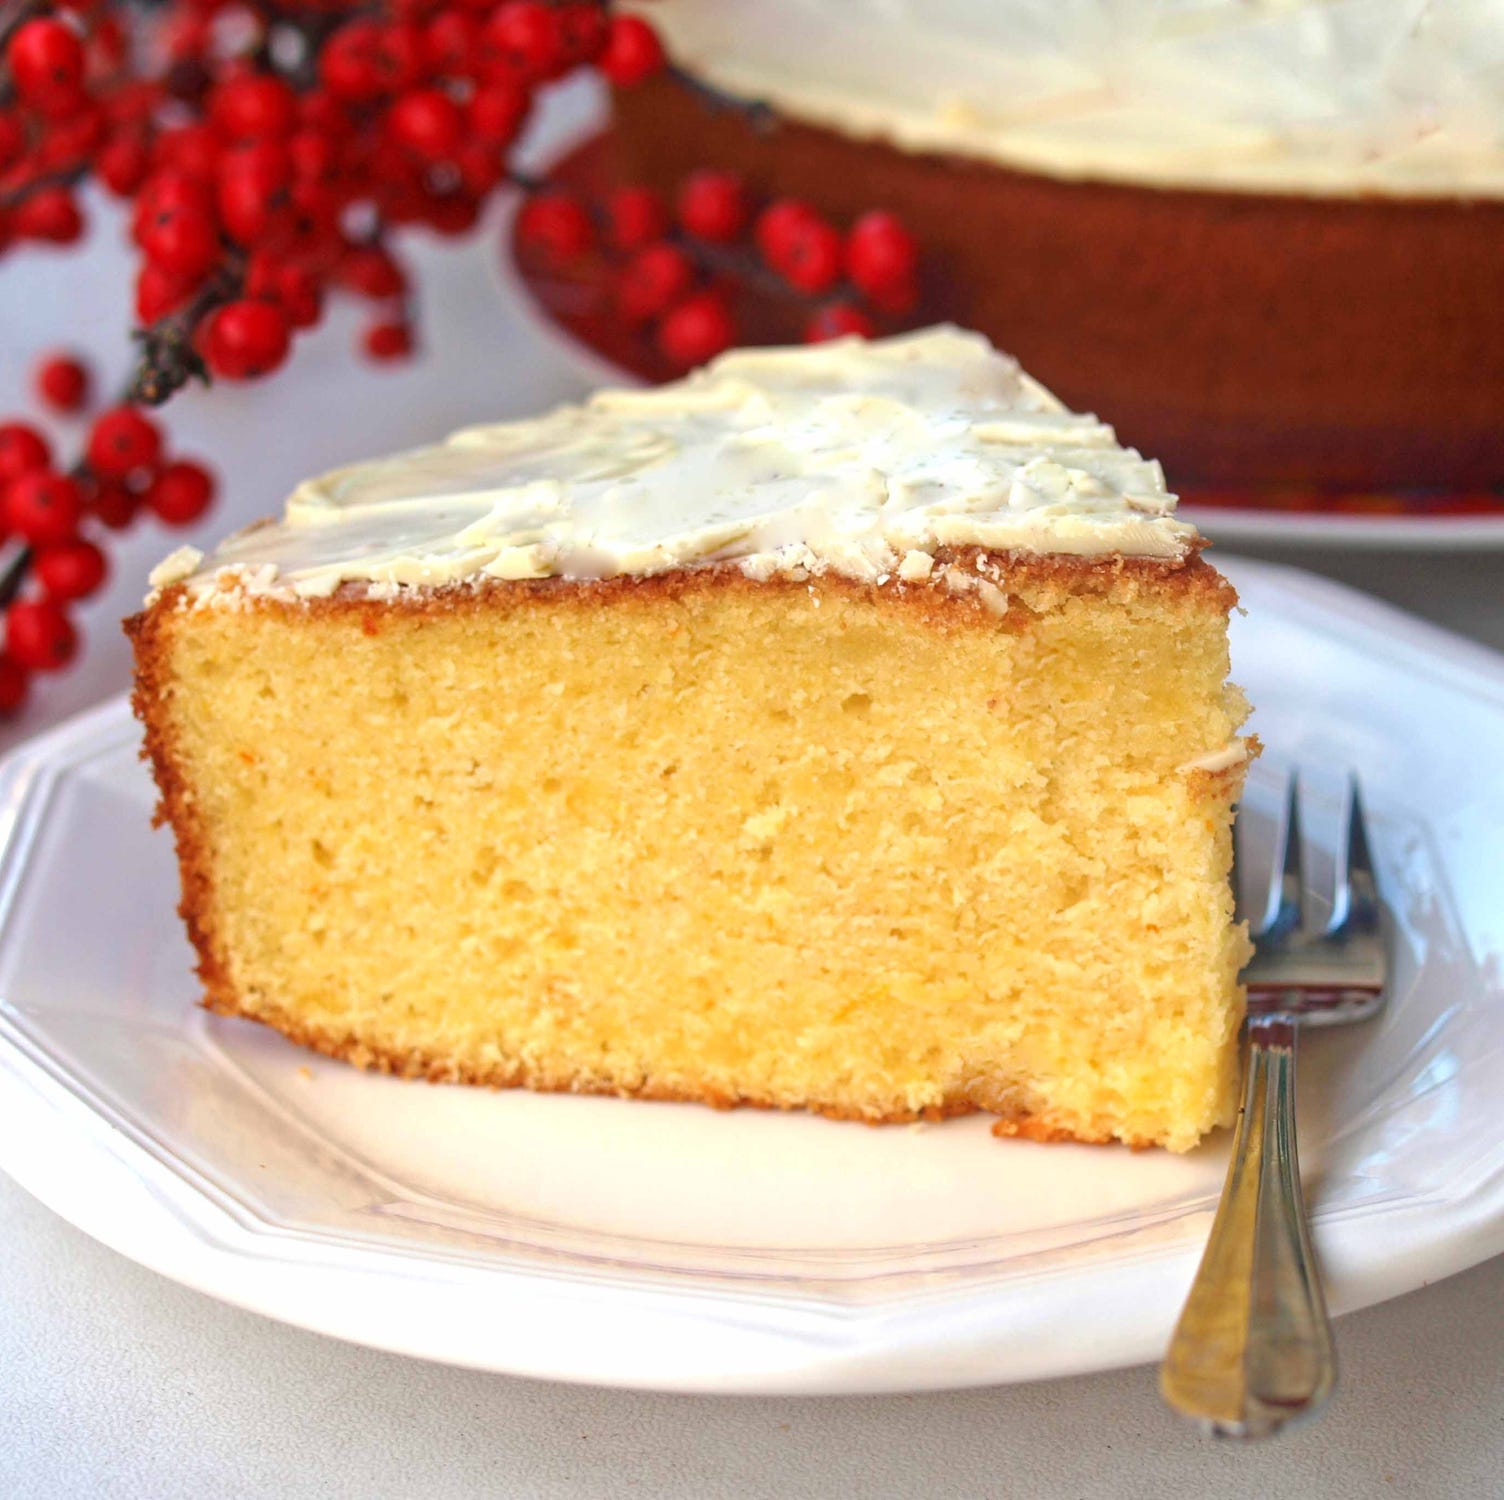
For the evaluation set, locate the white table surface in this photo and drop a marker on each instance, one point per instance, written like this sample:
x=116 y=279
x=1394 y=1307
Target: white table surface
x=115 y=1382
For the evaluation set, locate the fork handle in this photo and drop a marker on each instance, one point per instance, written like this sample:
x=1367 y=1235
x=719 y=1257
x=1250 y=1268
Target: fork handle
x=1253 y=1347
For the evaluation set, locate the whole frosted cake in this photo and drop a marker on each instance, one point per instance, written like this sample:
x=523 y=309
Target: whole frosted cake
x=1264 y=234
x=842 y=728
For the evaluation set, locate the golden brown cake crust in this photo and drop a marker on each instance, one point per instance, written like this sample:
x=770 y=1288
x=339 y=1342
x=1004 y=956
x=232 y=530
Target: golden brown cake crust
x=417 y=1065
x=1020 y=575
x=1031 y=580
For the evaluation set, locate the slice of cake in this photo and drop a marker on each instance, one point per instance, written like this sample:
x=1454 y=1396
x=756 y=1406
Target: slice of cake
x=843 y=728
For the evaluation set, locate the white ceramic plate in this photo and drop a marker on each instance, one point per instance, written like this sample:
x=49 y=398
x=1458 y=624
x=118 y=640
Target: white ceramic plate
x=669 y=1246
x=1232 y=525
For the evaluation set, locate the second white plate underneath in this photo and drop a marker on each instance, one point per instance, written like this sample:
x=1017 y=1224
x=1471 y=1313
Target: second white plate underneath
x=1389 y=533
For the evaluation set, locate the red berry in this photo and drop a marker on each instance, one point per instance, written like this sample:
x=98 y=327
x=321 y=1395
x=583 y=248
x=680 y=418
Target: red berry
x=582 y=32
x=699 y=328
x=555 y=227
x=523 y=42
x=123 y=164
x=39 y=636
x=635 y=216
x=266 y=160
x=348 y=62
x=123 y=442
x=300 y=295
x=44 y=507
x=388 y=341
x=63 y=382
x=318 y=109
x=159 y=292
x=451 y=44
x=372 y=272
x=165 y=189
x=713 y=205
x=898 y=298
x=134 y=102
x=49 y=214
x=837 y=321
x=109 y=43
x=246 y=210
x=65 y=142
x=450 y=213
x=71 y=570
x=880 y=253
x=427 y=122
x=810 y=255
x=311 y=232
x=632 y=52
x=192 y=150
x=12 y=139
x=312 y=154
x=399 y=56
x=251 y=190
x=186 y=37
x=47 y=63
x=253 y=106
x=181 y=492
x=182 y=240
x=496 y=111
x=652 y=281
x=261 y=272
x=22 y=449
x=479 y=166
x=244 y=339
x=776 y=224
x=14 y=682
x=113 y=505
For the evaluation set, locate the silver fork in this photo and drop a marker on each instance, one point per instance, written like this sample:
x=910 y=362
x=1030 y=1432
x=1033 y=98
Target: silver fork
x=1253 y=1347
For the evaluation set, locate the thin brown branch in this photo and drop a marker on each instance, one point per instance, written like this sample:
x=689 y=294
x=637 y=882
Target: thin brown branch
x=168 y=359
x=14 y=576
x=69 y=176
x=759 y=115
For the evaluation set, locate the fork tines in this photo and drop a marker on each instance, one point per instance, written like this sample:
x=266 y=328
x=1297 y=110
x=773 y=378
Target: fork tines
x=1313 y=907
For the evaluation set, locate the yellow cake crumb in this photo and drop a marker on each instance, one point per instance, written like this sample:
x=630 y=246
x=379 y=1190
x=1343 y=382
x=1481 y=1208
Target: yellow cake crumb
x=888 y=852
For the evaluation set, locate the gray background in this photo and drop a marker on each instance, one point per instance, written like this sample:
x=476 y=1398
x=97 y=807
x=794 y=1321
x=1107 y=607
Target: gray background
x=115 y=1382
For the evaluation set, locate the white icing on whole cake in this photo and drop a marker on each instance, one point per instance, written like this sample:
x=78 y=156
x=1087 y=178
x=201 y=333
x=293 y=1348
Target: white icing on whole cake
x=852 y=457
x=1333 y=97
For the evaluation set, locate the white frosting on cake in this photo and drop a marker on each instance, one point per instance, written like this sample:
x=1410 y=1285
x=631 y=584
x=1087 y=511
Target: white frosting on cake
x=858 y=458
x=1327 y=96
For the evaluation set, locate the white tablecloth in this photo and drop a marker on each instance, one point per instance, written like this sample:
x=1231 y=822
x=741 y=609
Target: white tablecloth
x=115 y=1382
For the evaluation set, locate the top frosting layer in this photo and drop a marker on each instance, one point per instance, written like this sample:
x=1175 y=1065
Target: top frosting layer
x=1329 y=96
x=861 y=458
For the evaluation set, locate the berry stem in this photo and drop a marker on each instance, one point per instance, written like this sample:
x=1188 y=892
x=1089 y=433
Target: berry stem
x=759 y=115
x=69 y=176
x=168 y=359
x=14 y=576
x=748 y=271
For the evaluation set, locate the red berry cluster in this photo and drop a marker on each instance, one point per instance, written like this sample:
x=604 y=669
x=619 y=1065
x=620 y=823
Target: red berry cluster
x=258 y=184
x=50 y=516
x=270 y=153
x=672 y=271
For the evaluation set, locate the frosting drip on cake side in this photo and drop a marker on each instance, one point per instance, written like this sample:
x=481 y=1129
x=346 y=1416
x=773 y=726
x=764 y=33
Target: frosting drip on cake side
x=1333 y=97
x=859 y=458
